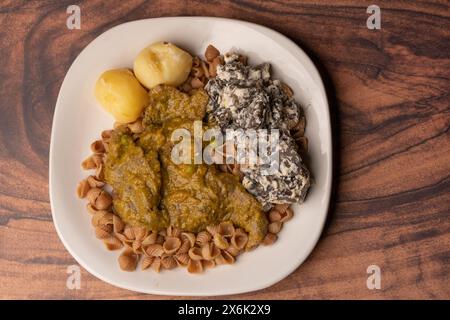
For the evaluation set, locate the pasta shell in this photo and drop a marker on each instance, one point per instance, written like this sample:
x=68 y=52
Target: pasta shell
x=171 y=245
x=100 y=172
x=107 y=218
x=112 y=243
x=97 y=146
x=93 y=194
x=160 y=239
x=194 y=266
x=136 y=245
x=185 y=246
x=94 y=182
x=210 y=251
x=233 y=250
x=239 y=239
x=281 y=207
x=225 y=258
x=106 y=135
x=269 y=239
x=275 y=215
x=154 y=250
x=203 y=238
x=91 y=209
x=173 y=232
x=99 y=217
x=147 y=262
x=182 y=259
x=156 y=264
x=220 y=241
x=129 y=233
x=136 y=127
x=208 y=264
x=168 y=262
x=213 y=229
x=275 y=227
x=190 y=237
x=226 y=229
x=140 y=233
x=128 y=260
x=150 y=239
x=122 y=238
x=195 y=253
x=118 y=224
x=288 y=214
x=83 y=188
x=100 y=233
x=88 y=163
x=103 y=201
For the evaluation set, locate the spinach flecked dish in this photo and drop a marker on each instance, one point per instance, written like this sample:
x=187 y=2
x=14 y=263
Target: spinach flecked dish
x=168 y=214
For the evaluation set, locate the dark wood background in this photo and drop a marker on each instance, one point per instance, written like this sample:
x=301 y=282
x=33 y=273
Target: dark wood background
x=389 y=97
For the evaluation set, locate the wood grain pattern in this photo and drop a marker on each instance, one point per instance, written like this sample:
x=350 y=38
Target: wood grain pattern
x=389 y=97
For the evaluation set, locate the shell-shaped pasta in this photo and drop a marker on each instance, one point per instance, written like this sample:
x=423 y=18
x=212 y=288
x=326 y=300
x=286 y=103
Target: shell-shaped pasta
x=203 y=238
x=147 y=262
x=225 y=258
x=118 y=224
x=154 y=250
x=189 y=236
x=171 y=245
x=185 y=246
x=98 y=217
x=239 y=239
x=93 y=194
x=288 y=214
x=281 y=207
x=101 y=233
x=156 y=264
x=168 y=262
x=140 y=233
x=210 y=251
x=195 y=266
x=112 y=243
x=195 y=253
x=213 y=229
x=136 y=245
x=275 y=227
x=274 y=215
x=128 y=260
x=83 y=188
x=97 y=146
x=129 y=233
x=173 y=232
x=91 y=209
x=150 y=239
x=88 y=163
x=226 y=229
x=107 y=218
x=100 y=172
x=136 y=127
x=94 y=182
x=122 y=238
x=207 y=264
x=220 y=241
x=233 y=250
x=182 y=258
x=269 y=239
x=160 y=239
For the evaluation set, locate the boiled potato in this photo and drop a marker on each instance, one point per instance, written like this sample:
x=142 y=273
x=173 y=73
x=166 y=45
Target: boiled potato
x=121 y=94
x=162 y=63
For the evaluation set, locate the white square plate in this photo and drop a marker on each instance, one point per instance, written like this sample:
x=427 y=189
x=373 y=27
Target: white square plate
x=78 y=120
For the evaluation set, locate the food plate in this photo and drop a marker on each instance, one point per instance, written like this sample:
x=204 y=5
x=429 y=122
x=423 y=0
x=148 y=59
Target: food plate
x=78 y=119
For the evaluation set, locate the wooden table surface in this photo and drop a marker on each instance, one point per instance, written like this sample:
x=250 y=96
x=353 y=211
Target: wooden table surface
x=389 y=98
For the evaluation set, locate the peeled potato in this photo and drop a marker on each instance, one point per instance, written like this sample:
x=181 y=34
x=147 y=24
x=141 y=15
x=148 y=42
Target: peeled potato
x=121 y=94
x=162 y=63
